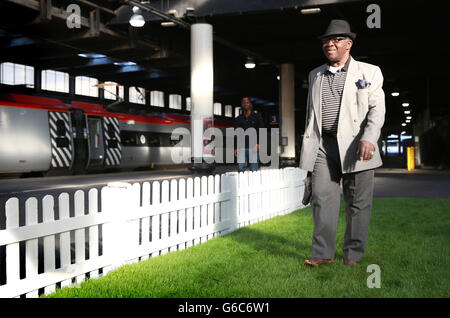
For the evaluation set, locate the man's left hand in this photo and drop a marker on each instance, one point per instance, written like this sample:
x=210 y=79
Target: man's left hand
x=366 y=150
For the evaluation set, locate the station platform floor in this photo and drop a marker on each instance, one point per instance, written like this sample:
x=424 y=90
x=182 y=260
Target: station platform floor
x=418 y=183
x=21 y=187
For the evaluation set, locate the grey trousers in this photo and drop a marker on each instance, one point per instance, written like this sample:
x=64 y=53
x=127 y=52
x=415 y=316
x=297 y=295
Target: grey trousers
x=325 y=203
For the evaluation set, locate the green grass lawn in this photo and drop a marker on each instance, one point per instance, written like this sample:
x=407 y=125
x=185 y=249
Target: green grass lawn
x=408 y=238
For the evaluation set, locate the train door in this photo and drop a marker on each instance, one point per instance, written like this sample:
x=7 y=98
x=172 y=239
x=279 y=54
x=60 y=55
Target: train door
x=95 y=142
x=61 y=141
x=113 y=145
x=80 y=137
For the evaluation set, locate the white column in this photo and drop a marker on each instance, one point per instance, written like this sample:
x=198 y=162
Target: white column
x=202 y=85
x=287 y=114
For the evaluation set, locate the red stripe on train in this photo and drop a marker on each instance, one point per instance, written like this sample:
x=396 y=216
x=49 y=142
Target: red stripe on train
x=63 y=109
x=52 y=104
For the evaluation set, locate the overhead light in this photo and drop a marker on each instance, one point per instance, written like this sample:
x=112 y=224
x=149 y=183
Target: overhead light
x=403 y=132
x=395 y=94
x=408 y=121
x=405 y=104
x=168 y=24
x=174 y=14
x=190 y=10
x=129 y=63
x=407 y=112
x=310 y=11
x=250 y=63
x=137 y=20
x=278 y=77
x=408 y=117
x=91 y=55
x=403 y=124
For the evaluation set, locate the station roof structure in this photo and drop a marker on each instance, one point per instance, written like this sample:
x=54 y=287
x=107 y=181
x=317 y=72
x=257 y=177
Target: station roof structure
x=410 y=46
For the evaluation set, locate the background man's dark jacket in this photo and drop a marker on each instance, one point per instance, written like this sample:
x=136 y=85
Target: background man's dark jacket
x=253 y=120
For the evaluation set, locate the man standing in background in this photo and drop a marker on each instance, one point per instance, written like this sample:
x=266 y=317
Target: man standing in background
x=249 y=119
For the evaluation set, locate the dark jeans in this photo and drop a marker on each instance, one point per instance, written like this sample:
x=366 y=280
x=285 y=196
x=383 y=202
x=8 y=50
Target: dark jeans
x=245 y=157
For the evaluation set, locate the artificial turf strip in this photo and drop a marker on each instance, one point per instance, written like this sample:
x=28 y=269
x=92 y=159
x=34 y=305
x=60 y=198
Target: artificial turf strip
x=408 y=239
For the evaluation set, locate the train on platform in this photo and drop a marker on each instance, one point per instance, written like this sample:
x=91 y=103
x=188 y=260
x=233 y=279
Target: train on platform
x=41 y=134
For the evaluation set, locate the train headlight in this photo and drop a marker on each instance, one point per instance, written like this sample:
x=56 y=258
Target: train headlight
x=142 y=139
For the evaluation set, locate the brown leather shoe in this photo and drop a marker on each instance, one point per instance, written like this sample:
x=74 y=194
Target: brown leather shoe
x=317 y=261
x=349 y=262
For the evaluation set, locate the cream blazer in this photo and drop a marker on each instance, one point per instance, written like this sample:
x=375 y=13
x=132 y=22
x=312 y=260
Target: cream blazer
x=361 y=117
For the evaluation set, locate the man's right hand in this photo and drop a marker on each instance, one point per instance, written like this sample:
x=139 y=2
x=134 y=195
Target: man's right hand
x=365 y=150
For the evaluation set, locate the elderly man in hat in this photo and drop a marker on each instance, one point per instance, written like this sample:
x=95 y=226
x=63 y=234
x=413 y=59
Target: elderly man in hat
x=345 y=113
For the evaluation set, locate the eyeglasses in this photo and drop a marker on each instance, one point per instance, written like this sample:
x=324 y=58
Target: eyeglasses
x=335 y=40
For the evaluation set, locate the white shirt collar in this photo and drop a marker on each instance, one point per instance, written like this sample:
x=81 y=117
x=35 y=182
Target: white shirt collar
x=333 y=69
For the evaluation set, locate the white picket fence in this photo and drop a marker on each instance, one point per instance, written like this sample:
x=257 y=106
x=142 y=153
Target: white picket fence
x=136 y=221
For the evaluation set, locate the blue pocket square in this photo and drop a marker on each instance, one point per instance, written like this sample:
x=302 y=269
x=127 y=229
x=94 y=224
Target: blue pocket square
x=362 y=84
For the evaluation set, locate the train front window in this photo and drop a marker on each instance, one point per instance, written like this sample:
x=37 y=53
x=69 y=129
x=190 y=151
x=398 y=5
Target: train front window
x=153 y=140
x=60 y=128
x=112 y=142
x=128 y=138
x=175 y=140
x=148 y=139
x=111 y=131
x=61 y=141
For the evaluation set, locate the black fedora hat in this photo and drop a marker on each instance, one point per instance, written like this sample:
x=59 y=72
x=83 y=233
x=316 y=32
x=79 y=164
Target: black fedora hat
x=338 y=27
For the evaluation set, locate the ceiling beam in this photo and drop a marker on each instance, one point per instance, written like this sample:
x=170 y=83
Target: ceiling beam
x=92 y=23
x=246 y=52
x=96 y=6
x=218 y=7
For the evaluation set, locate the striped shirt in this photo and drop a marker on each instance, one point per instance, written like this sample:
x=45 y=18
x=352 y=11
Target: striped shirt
x=332 y=88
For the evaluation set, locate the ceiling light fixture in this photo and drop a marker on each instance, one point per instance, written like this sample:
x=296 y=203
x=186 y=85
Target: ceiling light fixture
x=137 y=20
x=405 y=104
x=168 y=24
x=174 y=14
x=407 y=112
x=250 y=63
x=124 y=63
x=408 y=117
x=310 y=11
x=395 y=94
x=403 y=124
x=91 y=55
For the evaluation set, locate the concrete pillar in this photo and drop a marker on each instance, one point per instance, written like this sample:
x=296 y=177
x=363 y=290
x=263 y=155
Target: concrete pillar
x=287 y=115
x=202 y=88
x=37 y=79
x=72 y=84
